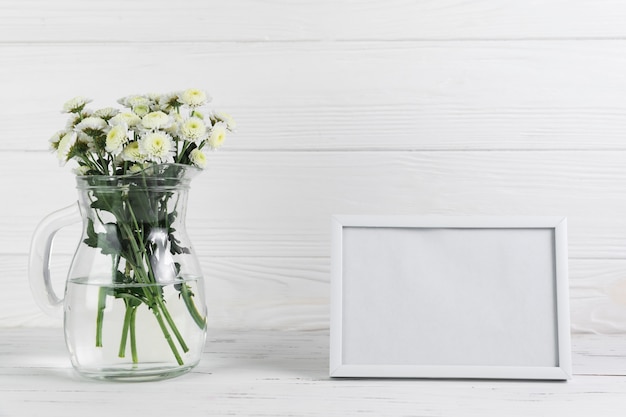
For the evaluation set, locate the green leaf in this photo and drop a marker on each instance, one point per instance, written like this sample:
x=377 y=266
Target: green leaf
x=110 y=202
x=131 y=300
x=121 y=278
x=171 y=217
x=92 y=236
x=108 y=242
x=175 y=247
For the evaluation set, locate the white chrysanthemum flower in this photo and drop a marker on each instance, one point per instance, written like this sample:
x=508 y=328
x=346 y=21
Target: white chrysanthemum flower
x=73 y=121
x=127 y=118
x=56 y=138
x=193 y=97
x=155 y=120
x=198 y=158
x=85 y=138
x=193 y=129
x=116 y=139
x=134 y=100
x=167 y=102
x=174 y=128
x=131 y=153
x=141 y=109
x=81 y=170
x=217 y=135
x=226 y=118
x=75 y=105
x=106 y=113
x=157 y=146
x=65 y=144
x=92 y=122
x=153 y=96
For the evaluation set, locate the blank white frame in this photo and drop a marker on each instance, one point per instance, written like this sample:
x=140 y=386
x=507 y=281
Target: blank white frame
x=409 y=294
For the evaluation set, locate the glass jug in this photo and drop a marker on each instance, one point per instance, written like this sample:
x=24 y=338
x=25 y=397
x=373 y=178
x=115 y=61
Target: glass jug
x=134 y=306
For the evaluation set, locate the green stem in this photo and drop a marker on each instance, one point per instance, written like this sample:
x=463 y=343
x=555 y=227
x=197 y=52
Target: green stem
x=191 y=306
x=170 y=321
x=157 y=304
x=167 y=316
x=179 y=157
x=167 y=335
x=137 y=259
x=136 y=224
x=94 y=164
x=133 y=339
x=127 y=318
x=102 y=298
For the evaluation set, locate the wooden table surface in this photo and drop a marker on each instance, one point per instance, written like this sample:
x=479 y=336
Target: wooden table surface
x=265 y=373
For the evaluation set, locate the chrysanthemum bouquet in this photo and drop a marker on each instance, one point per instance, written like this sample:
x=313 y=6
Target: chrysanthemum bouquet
x=133 y=171
x=153 y=129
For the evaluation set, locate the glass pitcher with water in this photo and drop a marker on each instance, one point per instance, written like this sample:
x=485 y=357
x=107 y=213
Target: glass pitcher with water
x=133 y=305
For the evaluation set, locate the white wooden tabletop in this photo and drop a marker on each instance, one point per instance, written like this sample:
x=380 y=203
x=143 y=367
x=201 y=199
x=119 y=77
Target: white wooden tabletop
x=262 y=373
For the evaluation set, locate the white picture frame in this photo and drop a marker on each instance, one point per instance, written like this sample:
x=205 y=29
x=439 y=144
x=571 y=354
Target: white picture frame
x=449 y=297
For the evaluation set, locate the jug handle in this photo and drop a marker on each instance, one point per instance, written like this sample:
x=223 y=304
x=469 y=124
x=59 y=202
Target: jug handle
x=39 y=258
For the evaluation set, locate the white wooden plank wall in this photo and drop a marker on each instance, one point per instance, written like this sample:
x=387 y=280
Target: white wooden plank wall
x=408 y=107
